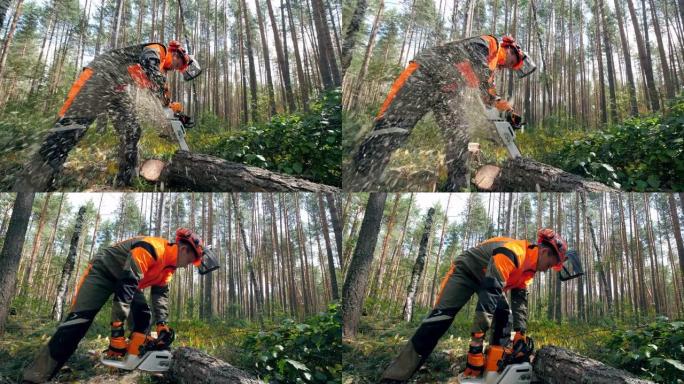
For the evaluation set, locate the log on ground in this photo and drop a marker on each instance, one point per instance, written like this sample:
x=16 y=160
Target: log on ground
x=555 y=365
x=192 y=366
x=204 y=173
x=526 y=175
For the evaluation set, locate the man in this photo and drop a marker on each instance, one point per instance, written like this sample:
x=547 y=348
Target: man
x=123 y=269
x=103 y=87
x=436 y=80
x=490 y=269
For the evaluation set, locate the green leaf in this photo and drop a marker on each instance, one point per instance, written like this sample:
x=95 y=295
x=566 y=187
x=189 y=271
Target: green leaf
x=676 y=364
x=297 y=365
x=653 y=181
x=297 y=167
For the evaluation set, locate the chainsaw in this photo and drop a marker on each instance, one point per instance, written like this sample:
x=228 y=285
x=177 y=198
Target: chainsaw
x=154 y=357
x=177 y=127
x=504 y=130
x=512 y=367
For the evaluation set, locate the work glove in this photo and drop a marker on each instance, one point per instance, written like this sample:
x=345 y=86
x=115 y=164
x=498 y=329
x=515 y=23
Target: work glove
x=519 y=335
x=475 y=362
x=165 y=336
x=523 y=347
x=514 y=119
x=188 y=122
x=117 y=341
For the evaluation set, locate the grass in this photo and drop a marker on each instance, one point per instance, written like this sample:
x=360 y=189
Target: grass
x=25 y=334
x=380 y=339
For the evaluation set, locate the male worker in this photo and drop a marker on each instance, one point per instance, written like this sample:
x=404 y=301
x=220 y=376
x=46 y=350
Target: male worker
x=103 y=87
x=124 y=269
x=491 y=268
x=436 y=80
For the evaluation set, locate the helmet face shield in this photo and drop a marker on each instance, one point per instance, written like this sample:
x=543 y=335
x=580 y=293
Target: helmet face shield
x=525 y=67
x=571 y=267
x=193 y=69
x=208 y=263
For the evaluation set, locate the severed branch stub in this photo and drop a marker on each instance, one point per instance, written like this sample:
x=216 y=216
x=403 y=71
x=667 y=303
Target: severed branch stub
x=192 y=366
x=205 y=173
x=527 y=175
x=555 y=365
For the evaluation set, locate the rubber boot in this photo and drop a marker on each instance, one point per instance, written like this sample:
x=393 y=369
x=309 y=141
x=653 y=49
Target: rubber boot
x=404 y=365
x=42 y=368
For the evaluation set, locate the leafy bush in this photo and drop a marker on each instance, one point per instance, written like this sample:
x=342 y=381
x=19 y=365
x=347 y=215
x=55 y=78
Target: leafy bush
x=305 y=144
x=308 y=352
x=641 y=154
x=655 y=351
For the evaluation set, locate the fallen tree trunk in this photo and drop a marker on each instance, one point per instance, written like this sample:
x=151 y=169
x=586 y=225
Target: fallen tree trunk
x=204 y=173
x=527 y=175
x=192 y=366
x=558 y=365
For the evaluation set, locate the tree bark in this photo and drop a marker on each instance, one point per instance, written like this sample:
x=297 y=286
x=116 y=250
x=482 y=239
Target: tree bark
x=595 y=245
x=11 y=252
x=644 y=59
x=353 y=291
x=248 y=253
x=337 y=226
x=68 y=266
x=525 y=175
x=558 y=365
x=190 y=365
x=328 y=248
x=350 y=34
x=10 y=35
x=204 y=173
x=418 y=267
x=676 y=228
x=250 y=57
x=282 y=63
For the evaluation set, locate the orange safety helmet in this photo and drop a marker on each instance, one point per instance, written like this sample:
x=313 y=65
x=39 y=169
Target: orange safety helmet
x=175 y=46
x=190 y=238
x=524 y=66
x=549 y=237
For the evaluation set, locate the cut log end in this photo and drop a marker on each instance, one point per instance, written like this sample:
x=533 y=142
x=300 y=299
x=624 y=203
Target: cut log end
x=486 y=176
x=152 y=169
x=190 y=365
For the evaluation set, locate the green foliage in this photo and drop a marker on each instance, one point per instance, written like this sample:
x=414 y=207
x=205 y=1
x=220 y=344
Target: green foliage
x=308 y=352
x=641 y=154
x=655 y=351
x=304 y=144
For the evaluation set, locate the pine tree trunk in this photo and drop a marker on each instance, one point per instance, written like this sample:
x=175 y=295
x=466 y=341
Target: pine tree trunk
x=10 y=36
x=524 y=175
x=558 y=365
x=328 y=247
x=11 y=252
x=191 y=365
x=353 y=27
x=68 y=266
x=417 y=268
x=248 y=253
x=282 y=63
x=677 y=229
x=267 y=59
x=354 y=288
x=644 y=59
x=250 y=57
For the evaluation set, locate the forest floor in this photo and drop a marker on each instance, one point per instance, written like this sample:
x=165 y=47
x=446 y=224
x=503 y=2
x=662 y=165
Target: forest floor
x=24 y=336
x=380 y=340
